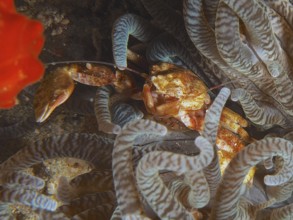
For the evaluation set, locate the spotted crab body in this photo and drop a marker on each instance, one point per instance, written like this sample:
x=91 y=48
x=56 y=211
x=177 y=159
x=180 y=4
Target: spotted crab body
x=177 y=92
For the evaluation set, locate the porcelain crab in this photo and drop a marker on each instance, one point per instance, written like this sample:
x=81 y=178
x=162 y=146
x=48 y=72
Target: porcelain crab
x=58 y=85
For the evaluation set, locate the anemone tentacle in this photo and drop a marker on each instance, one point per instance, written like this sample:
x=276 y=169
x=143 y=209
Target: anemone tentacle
x=124 y=181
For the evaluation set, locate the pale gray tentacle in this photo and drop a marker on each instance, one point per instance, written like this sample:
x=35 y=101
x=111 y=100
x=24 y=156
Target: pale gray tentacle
x=212 y=120
x=102 y=110
x=280 y=26
x=280 y=192
x=166 y=48
x=248 y=211
x=258 y=28
x=268 y=163
x=116 y=215
x=229 y=191
x=124 y=180
x=237 y=52
x=168 y=19
x=123 y=113
x=284 y=8
x=259 y=114
x=151 y=185
x=5 y=212
x=27 y=197
x=88 y=147
x=193 y=191
x=283 y=213
x=24 y=180
x=203 y=36
x=210 y=10
x=267 y=47
x=200 y=33
x=124 y=26
x=212 y=117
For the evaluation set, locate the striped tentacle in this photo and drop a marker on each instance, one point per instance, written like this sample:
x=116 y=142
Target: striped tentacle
x=200 y=32
x=171 y=21
x=176 y=142
x=124 y=26
x=152 y=186
x=18 y=129
x=289 y=136
x=268 y=163
x=258 y=27
x=103 y=211
x=170 y=139
x=213 y=115
x=27 y=197
x=284 y=8
x=283 y=191
x=14 y=179
x=284 y=213
x=79 y=106
x=123 y=113
x=237 y=53
x=124 y=181
x=85 y=202
x=246 y=211
x=211 y=124
x=203 y=37
x=89 y=147
x=284 y=87
x=166 y=48
x=280 y=26
x=117 y=215
x=102 y=110
x=280 y=192
x=175 y=146
x=210 y=11
x=5 y=212
x=266 y=45
x=92 y=182
x=259 y=114
x=193 y=191
x=229 y=191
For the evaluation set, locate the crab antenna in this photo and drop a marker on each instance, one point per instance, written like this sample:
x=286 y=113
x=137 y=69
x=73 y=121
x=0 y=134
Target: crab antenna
x=221 y=85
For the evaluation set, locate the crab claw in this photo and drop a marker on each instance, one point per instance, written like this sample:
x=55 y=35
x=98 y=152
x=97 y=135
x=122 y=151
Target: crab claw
x=54 y=90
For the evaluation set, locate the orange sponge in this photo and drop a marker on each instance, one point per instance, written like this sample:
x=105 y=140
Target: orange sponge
x=21 y=41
